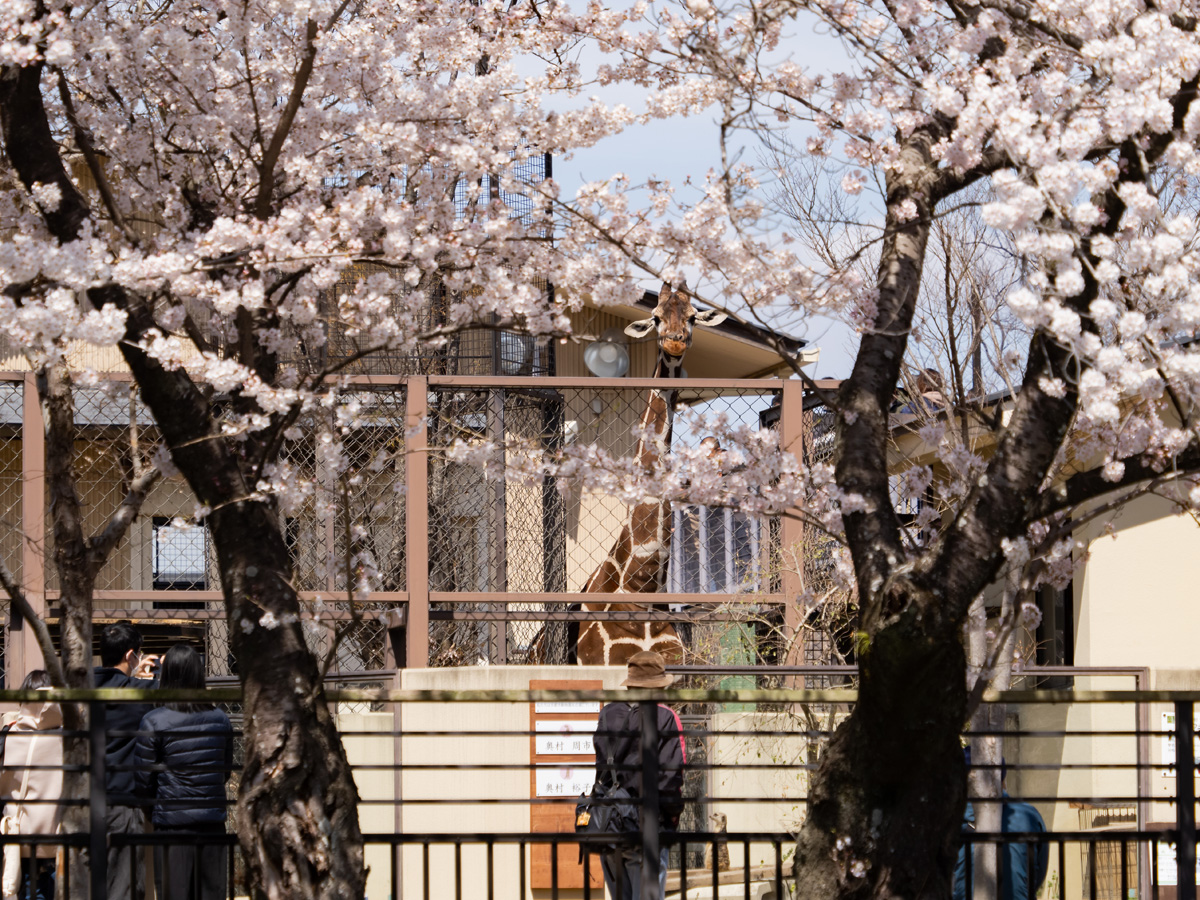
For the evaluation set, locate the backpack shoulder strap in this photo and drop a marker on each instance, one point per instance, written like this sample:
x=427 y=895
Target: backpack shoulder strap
x=3 y=738
x=612 y=733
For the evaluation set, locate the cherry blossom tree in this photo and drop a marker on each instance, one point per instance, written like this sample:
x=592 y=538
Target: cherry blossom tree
x=1073 y=115
x=1076 y=117
x=189 y=181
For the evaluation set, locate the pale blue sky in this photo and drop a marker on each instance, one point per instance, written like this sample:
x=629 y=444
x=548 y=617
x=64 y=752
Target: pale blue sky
x=674 y=149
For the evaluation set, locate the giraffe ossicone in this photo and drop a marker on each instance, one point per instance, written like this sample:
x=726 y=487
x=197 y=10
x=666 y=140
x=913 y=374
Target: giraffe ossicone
x=637 y=561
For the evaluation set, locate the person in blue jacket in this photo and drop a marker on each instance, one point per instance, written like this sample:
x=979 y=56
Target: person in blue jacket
x=184 y=757
x=1017 y=882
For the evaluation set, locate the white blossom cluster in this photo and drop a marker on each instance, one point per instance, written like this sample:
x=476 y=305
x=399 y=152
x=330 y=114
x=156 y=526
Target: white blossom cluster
x=263 y=156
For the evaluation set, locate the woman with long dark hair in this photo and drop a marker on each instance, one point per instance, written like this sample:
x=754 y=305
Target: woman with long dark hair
x=184 y=757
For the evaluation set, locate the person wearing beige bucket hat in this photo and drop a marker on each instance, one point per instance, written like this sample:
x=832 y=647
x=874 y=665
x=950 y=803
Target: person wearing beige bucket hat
x=618 y=743
x=647 y=670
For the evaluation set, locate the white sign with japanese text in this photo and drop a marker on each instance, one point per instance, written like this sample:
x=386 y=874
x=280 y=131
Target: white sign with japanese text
x=564 y=781
x=560 y=737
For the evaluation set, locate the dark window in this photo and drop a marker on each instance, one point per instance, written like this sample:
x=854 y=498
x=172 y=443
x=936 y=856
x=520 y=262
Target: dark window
x=1056 y=634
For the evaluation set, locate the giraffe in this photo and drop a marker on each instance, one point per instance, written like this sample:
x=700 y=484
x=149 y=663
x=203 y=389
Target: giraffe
x=637 y=562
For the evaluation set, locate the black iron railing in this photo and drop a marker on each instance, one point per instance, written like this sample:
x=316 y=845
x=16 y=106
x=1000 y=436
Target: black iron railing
x=471 y=793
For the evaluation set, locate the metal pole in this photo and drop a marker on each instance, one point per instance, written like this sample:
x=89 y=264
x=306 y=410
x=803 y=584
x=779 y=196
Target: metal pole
x=651 y=864
x=1185 y=799
x=98 y=799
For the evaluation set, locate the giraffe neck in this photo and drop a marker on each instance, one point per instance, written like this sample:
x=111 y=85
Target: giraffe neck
x=658 y=417
x=637 y=562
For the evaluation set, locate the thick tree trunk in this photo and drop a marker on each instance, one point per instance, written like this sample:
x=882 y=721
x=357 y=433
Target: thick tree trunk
x=298 y=809
x=887 y=800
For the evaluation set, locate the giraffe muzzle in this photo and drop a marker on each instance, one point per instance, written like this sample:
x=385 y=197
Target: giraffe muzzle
x=674 y=348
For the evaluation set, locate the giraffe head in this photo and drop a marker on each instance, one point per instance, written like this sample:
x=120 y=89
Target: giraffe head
x=673 y=319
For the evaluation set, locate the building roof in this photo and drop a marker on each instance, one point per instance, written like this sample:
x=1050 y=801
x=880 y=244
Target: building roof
x=732 y=349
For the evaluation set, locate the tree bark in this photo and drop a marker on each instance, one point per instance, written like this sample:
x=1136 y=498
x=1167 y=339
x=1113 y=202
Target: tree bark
x=887 y=799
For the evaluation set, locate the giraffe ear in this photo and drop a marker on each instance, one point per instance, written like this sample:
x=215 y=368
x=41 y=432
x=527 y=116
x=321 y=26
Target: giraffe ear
x=710 y=317
x=640 y=329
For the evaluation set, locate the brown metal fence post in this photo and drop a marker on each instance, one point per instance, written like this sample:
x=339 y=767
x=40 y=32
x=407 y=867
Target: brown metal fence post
x=23 y=653
x=416 y=532
x=791 y=538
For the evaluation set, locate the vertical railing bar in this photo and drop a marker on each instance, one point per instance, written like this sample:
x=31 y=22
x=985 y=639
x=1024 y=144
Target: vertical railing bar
x=968 y=852
x=554 y=870
x=491 y=871
x=231 y=868
x=683 y=866
x=779 y=870
x=1124 y=869
x=1154 y=870
x=1062 y=869
x=521 y=876
x=425 y=870
x=1092 y=870
x=587 y=871
x=716 y=869
x=98 y=799
x=458 y=875
x=1185 y=799
x=746 y=869
x=651 y=859
x=395 y=861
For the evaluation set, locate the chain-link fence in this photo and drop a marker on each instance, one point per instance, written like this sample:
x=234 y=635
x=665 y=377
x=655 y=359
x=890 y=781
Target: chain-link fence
x=500 y=536
x=829 y=626
x=346 y=525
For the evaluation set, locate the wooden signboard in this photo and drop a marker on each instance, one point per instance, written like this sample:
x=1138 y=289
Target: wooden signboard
x=564 y=765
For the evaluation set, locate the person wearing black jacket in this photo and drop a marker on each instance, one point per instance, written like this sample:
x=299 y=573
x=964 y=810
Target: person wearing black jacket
x=123 y=666
x=185 y=756
x=619 y=736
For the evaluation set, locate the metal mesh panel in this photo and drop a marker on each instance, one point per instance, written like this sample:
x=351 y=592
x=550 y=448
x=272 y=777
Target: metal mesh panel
x=11 y=393
x=488 y=535
x=827 y=631
x=116 y=435
x=368 y=502
x=492 y=535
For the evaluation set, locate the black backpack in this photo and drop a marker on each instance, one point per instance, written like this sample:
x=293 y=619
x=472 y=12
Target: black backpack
x=608 y=809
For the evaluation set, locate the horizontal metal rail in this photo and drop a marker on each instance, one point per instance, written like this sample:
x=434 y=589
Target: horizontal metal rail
x=426 y=754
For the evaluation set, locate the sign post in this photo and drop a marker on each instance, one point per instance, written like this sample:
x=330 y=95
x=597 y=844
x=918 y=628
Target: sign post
x=563 y=767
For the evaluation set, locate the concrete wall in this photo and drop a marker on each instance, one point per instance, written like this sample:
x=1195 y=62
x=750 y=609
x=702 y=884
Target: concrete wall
x=444 y=780
x=755 y=764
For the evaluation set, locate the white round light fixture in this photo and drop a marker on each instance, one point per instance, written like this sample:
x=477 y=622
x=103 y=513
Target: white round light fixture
x=607 y=357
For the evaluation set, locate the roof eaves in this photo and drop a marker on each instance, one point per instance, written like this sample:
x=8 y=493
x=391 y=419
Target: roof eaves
x=741 y=330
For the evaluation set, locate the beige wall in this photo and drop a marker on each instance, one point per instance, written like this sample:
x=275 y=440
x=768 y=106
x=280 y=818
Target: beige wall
x=442 y=782
x=753 y=764
x=1135 y=599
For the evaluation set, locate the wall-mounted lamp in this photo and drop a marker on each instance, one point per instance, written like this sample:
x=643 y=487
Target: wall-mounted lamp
x=607 y=357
